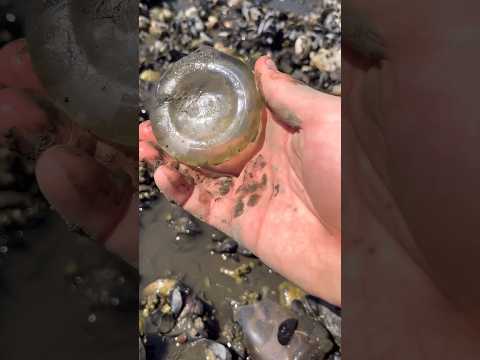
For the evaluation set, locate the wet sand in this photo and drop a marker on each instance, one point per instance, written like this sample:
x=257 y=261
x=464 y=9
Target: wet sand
x=190 y=259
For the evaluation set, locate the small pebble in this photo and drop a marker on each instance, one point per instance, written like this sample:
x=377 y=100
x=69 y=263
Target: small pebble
x=286 y=330
x=150 y=75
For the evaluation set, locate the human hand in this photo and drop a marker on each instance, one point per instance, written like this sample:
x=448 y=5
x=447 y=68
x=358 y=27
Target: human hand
x=90 y=183
x=285 y=204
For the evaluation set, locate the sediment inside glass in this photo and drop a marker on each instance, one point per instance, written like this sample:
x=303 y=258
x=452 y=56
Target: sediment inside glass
x=206 y=109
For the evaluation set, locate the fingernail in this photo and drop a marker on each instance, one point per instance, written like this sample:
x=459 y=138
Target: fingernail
x=270 y=64
x=258 y=80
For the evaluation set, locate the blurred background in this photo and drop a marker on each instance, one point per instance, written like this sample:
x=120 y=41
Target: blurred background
x=11 y=20
x=61 y=295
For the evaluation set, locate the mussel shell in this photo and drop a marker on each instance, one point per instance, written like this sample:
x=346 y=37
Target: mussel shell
x=206 y=350
x=161 y=287
x=83 y=53
x=206 y=108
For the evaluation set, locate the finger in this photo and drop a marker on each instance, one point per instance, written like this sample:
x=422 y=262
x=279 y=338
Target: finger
x=37 y=124
x=20 y=110
x=23 y=116
x=145 y=132
x=147 y=149
x=176 y=186
x=88 y=194
x=293 y=103
x=16 y=68
x=147 y=152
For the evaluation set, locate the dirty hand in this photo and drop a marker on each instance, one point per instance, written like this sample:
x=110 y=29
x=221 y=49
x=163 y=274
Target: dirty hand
x=90 y=183
x=285 y=203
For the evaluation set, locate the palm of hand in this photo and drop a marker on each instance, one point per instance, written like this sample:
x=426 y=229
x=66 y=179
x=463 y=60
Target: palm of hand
x=277 y=206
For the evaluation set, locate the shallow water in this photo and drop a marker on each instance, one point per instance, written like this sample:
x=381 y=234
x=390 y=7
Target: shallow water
x=162 y=255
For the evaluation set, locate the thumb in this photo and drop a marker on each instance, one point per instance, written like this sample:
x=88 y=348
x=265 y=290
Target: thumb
x=16 y=69
x=292 y=102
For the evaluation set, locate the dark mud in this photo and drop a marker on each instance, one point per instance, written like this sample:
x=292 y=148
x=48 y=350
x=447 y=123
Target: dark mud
x=165 y=253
